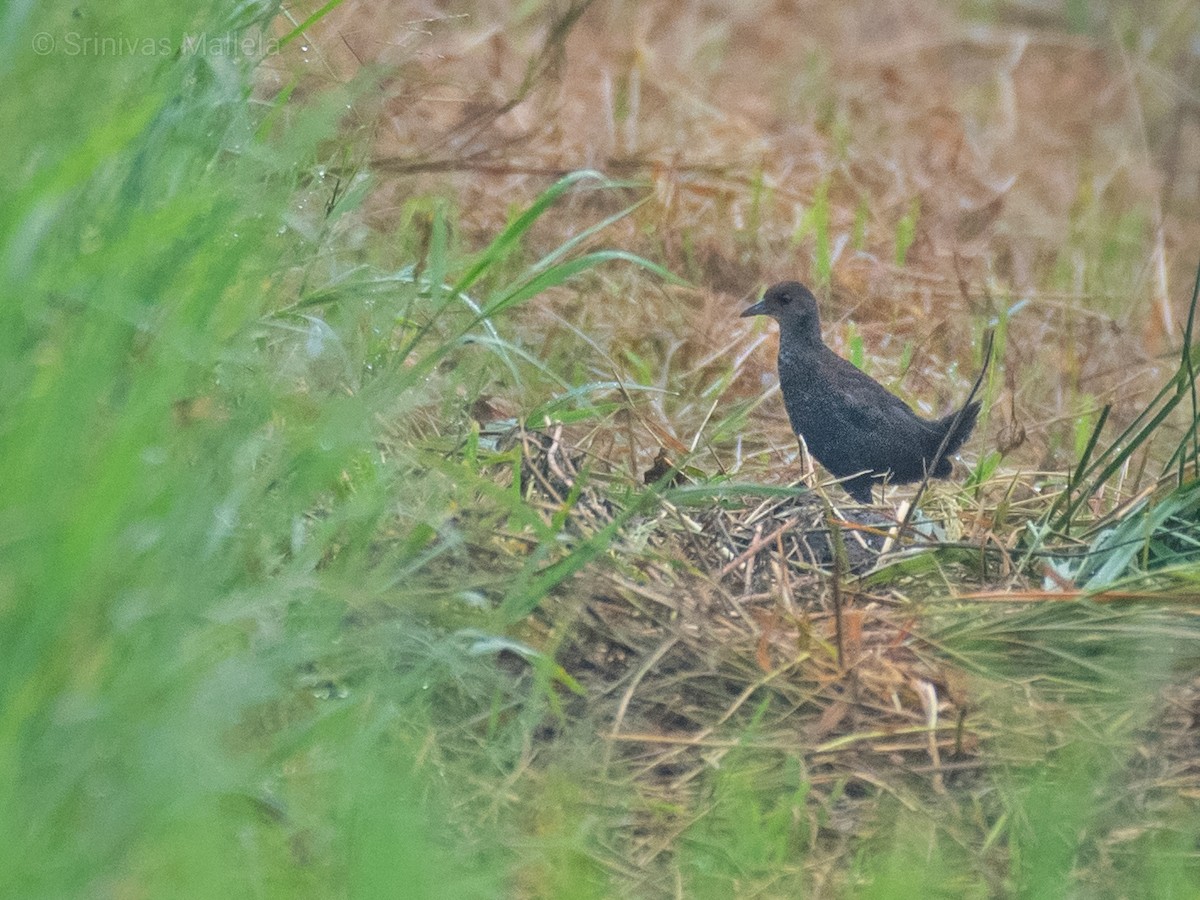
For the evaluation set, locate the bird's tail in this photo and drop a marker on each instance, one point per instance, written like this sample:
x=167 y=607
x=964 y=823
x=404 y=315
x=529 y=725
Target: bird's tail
x=958 y=437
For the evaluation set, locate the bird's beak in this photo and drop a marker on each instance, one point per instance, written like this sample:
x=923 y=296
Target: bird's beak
x=758 y=309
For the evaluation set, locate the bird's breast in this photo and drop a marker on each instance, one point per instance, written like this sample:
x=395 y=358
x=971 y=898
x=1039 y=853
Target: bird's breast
x=804 y=392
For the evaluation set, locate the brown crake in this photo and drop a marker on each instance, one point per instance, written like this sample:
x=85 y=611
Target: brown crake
x=850 y=422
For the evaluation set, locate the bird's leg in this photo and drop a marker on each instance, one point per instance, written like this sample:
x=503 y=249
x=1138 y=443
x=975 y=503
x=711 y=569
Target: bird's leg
x=859 y=487
x=808 y=468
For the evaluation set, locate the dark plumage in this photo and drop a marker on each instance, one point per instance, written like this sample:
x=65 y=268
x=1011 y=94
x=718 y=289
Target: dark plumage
x=849 y=421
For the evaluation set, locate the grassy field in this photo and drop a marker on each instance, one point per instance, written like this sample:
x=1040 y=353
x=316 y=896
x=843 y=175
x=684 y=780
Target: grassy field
x=395 y=505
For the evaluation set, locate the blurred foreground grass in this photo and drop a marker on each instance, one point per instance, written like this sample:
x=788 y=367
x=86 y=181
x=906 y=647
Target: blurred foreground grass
x=221 y=666
x=246 y=643
x=178 y=468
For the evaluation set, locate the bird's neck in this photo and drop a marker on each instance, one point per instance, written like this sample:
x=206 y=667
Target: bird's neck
x=807 y=333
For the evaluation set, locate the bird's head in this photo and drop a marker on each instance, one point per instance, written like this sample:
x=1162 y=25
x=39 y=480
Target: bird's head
x=792 y=305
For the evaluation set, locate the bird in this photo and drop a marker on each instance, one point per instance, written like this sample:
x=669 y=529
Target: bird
x=853 y=425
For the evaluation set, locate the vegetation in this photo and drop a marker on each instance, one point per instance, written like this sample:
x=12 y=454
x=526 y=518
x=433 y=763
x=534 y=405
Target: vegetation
x=394 y=508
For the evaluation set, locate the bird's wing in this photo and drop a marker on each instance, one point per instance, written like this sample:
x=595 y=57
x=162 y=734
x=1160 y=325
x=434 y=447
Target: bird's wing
x=878 y=430
x=869 y=404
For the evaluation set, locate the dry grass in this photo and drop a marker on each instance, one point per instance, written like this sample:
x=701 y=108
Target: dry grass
x=1025 y=152
x=775 y=627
